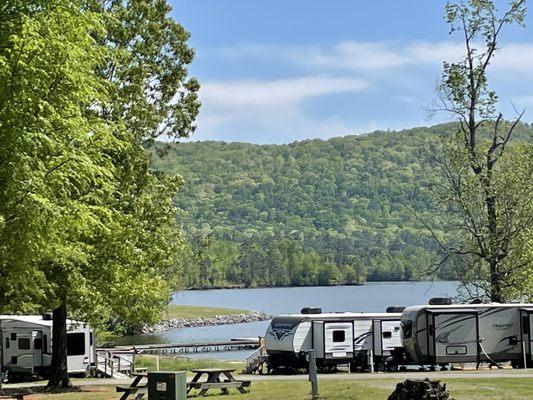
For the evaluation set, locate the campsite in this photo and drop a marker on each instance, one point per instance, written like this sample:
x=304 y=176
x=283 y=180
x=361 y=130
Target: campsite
x=266 y=199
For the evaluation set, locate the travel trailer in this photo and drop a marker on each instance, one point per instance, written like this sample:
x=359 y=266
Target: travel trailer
x=336 y=338
x=26 y=345
x=469 y=333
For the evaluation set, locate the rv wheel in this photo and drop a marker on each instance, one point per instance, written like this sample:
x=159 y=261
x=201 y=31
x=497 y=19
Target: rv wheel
x=391 y=367
x=380 y=366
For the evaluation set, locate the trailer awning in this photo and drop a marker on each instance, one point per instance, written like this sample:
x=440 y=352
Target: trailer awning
x=527 y=309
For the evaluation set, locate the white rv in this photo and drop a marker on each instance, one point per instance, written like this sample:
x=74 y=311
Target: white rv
x=442 y=334
x=337 y=338
x=26 y=345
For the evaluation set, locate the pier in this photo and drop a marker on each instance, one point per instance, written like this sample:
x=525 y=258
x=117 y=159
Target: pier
x=185 y=348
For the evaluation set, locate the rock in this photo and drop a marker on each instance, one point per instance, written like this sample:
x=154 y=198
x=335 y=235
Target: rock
x=420 y=389
x=165 y=325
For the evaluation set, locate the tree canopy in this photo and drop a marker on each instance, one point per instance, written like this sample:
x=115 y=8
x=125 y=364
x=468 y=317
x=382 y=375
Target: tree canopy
x=312 y=212
x=87 y=227
x=488 y=178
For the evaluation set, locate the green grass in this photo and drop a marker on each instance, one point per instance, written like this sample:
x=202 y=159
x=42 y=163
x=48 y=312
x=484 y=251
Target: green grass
x=337 y=389
x=180 y=311
x=184 y=364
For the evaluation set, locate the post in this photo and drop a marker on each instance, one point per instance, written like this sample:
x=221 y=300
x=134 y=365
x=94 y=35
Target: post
x=313 y=375
x=371 y=360
x=157 y=362
x=525 y=355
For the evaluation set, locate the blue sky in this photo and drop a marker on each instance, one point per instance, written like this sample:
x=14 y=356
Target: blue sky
x=278 y=71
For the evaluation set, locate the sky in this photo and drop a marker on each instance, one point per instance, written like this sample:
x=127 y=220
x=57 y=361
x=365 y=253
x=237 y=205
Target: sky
x=276 y=71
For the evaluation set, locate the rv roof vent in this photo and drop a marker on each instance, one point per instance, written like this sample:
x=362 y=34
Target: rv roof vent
x=47 y=316
x=395 y=309
x=311 y=310
x=476 y=301
x=440 y=301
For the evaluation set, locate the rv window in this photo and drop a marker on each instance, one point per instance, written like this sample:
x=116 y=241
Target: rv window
x=75 y=344
x=525 y=325
x=45 y=344
x=339 y=336
x=24 y=343
x=13 y=336
x=407 y=327
x=387 y=335
x=38 y=343
x=7 y=343
x=90 y=338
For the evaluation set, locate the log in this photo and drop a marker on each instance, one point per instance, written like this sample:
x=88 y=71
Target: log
x=420 y=389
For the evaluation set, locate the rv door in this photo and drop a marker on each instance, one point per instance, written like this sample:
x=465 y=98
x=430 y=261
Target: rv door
x=453 y=336
x=527 y=332
x=37 y=337
x=338 y=340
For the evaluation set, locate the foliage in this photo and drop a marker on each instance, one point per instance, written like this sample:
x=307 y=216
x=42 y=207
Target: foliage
x=87 y=227
x=312 y=212
x=487 y=178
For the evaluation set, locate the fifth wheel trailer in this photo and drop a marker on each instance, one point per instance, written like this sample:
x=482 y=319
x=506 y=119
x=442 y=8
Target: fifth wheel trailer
x=469 y=333
x=26 y=345
x=337 y=338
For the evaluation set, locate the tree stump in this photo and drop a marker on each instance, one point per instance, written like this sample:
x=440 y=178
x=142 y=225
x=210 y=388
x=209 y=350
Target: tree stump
x=420 y=389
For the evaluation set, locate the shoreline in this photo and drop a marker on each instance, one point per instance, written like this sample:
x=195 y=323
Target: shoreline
x=226 y=319
x=228 y=287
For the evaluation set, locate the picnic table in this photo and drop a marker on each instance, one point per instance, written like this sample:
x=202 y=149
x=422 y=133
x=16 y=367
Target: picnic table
x=136 y=388
x=217 y=378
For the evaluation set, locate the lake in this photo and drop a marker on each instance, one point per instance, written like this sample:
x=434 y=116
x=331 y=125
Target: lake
x=371 y=297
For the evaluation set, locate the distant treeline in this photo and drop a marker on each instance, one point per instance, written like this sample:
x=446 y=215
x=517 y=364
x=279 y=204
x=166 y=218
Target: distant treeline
x=343 y=210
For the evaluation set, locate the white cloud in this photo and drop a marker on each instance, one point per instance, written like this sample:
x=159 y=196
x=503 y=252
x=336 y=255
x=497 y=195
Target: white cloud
x=271 y=106
x=282 y=92
x=376 y=56
x=272 y=111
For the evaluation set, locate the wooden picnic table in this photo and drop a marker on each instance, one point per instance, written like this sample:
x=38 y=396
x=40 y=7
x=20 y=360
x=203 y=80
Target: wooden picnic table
x=135 y=388
x=214 y=381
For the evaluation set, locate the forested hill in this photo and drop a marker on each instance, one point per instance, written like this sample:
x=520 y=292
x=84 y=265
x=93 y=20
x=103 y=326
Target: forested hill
x=312 y=212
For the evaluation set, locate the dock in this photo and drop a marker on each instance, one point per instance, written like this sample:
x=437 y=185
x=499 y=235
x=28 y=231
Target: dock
x=185 y=348
x=120 y=360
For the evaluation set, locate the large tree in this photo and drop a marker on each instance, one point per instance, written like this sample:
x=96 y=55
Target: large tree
x=488 y=181
x=87 y=228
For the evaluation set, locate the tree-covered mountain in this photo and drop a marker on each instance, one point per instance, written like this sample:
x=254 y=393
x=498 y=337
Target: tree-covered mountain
x=312 y=212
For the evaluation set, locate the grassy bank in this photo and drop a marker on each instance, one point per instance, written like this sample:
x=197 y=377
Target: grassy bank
x=332 y=389
x=174 y=311
x=184 y=364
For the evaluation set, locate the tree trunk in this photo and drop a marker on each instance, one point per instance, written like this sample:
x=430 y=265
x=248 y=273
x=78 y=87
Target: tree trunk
x=496 y=294
x=59 y=374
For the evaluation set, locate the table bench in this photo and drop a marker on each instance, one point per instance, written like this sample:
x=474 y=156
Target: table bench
x=135 y=389
x=214 y=381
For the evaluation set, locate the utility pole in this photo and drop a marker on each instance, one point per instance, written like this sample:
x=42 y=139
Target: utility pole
x=313 y=374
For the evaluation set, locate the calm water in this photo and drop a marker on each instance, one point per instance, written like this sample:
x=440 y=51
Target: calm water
x=372 y=297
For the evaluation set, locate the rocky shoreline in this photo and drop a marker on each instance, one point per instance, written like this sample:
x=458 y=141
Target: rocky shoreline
x=168 y=324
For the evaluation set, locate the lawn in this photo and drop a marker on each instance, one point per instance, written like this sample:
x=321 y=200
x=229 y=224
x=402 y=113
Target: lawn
x=184 y=364
x=180 y=311
x=332 y=389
